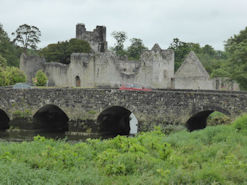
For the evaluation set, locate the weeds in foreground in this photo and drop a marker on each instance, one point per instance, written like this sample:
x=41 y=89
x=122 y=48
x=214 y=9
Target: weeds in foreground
x=215 y=155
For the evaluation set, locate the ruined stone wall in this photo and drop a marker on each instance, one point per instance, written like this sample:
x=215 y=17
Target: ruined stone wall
x=194 y=83
x=82 y=66
x=96 y=38
x=192 y=75
x=224 y=83
x=57 y=74
x=30 y=65
x=155 y=69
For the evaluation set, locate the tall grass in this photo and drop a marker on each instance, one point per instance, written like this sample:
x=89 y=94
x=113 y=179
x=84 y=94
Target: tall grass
x=215 y=155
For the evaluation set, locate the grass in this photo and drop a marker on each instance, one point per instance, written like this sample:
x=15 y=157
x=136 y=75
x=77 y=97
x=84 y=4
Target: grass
x=215 y=155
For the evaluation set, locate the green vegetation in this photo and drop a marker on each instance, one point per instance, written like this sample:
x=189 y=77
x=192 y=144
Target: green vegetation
x=40 y=78
x=218 y=118
x=236 y=47
x=22 y=114
x=215 y=155
x=10 y=52
x=133 y=52
x=61 y=51
x=11 y=76
x=27 y=36
x=212 y=60
x=136 y=48
x=230 y=63
x=241 y=124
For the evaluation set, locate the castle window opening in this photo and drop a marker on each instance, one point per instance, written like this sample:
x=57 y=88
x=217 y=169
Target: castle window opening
x=77 y=81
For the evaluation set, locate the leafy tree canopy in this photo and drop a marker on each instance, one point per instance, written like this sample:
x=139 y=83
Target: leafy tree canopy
x=61 y=51
x=27 y=36
x=210 y=58
x=133 y=52
x=236 y=48
x=8 y=50
x=120 y=38
x=136 y=48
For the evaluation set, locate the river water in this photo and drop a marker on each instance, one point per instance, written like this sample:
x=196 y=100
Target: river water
x=18 y=135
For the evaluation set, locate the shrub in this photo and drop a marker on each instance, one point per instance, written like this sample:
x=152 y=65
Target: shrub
x=218 y=118
x=40 y=78
x=3 y=77
x=3 y=62
x=15 y=75
x=241 y=124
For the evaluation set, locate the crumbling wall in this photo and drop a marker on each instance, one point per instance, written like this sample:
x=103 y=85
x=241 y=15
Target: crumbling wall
x=193 y=83
x=81 y=66
x=224 y=83
x=192 y=75
x=30 y=65
x=154 y=69
x=57 y=74
x=158 y=67
x=96 y=38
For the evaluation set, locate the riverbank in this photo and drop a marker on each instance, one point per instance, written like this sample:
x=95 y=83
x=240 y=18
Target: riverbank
x=215 y=155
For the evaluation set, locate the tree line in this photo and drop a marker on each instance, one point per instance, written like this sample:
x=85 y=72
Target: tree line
x=231 y=62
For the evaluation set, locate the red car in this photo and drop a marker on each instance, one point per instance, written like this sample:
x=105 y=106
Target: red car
x=133 y=87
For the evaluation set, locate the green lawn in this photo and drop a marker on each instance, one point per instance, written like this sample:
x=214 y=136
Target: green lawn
x=215 y=155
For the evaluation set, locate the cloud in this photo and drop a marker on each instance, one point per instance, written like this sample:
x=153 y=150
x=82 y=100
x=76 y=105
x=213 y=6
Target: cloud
x=205 y=22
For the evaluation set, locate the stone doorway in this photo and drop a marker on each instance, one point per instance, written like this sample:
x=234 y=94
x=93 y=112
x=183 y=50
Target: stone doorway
x=77 y=81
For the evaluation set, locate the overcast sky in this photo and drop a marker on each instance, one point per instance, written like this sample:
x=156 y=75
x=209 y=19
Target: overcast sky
x=154 y=21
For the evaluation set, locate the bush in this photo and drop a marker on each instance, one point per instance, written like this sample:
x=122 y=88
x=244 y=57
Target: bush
x=15 y=75
x=218 y=118
x=40 y=78
x=3 y=77
x=3 y=62
x=241 y=124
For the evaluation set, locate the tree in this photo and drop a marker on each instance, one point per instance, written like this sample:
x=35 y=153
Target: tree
x=215 y=62
x=40 y=78
x=61 y=51
x=236 y=47
x=3 y=62
x=27 y=36
x=181 y=49
x=120 y=38
x=8 y=50
x=136 y=48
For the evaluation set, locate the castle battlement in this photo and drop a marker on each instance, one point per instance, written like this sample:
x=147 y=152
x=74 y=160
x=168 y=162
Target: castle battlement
x=96 y=38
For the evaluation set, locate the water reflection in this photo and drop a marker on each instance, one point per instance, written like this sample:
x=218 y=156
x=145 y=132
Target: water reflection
x=18 y=135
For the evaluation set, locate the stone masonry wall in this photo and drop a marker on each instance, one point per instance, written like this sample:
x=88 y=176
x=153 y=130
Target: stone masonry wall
x=150 y=108
x=96 y=38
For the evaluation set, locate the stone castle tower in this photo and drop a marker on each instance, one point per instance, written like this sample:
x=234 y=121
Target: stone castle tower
x=96 y=38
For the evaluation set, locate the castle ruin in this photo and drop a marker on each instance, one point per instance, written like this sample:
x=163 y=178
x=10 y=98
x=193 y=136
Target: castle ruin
x=102 y=68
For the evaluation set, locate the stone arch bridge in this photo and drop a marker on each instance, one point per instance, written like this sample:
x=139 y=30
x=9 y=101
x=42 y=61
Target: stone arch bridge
x=108 y=110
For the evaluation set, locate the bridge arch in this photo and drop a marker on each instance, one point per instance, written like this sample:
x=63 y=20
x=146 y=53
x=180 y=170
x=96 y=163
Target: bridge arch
x=198 y=120
x=51 y=118
x=4 y=120
x=117 y=120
